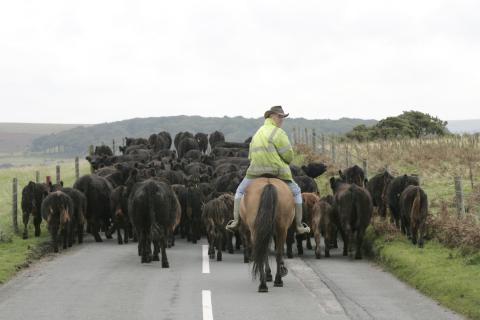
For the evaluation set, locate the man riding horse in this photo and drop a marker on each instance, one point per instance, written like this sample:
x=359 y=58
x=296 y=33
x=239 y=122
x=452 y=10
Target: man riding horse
x=270 y=154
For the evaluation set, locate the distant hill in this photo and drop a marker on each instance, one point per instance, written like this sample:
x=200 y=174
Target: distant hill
x=18 y=137
x=464 y=126
x=75 y=141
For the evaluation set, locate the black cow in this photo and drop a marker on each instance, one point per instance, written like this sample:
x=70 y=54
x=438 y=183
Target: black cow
x=167 y=138
x=353 y=174
x=352 y=212
x=79 y=202
x=413 y=211
x=394 y=190
x=185 y=145
x=32 y=197
x=121 y=220
x=103 y=151
x=216 y=138
x=154 y=212
x=377 y=186
x=179 y=137
x=306 y=184
x=202 y=140
x=97 y=190
x=57 y=209
x=314 y=169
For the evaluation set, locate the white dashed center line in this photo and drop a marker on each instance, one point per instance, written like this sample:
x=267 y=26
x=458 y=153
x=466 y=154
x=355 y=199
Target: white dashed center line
x=207 y=305
x=206 y=259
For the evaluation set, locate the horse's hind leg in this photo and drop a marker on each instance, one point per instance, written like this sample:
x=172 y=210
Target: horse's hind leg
x=281 y=271
x=263 y=284
x=268 y=271
x=289 y=243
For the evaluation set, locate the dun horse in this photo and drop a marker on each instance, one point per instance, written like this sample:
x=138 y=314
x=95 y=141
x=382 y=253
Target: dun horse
x=267 y=211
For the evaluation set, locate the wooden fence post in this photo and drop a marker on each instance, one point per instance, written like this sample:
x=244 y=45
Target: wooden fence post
x=77 y=168
x=334 y=153
x=90 y=152
x=347 y=158
x=306 y=136
x=113 y=146
x=37 y=176
x=57 y=175
x=459 y=196
x=14 y=205
x=314 y=141
x=365 y=168
x=323 y=143
x=295 y=140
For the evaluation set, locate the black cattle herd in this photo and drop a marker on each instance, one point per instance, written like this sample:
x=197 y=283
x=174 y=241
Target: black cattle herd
x=154 y=192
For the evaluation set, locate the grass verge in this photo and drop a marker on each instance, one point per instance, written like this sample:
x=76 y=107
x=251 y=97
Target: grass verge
x=15 y=252
x=446 y=275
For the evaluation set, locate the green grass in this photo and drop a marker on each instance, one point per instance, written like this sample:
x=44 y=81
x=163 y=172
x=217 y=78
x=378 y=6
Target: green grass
x=14 y=251
x=443 y=274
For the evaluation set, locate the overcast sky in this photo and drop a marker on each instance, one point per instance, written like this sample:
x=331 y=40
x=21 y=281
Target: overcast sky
x=103 y=61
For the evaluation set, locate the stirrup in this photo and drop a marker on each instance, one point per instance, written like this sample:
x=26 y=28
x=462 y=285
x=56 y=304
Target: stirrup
x=305 y=229
x=230 y=227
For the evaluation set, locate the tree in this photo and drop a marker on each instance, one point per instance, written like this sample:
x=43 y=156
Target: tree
x=424 y=124
x=394 y=127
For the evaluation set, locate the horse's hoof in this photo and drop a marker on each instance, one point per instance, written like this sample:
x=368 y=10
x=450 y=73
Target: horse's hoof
x=155 y=258
x=230 y=251
x=219 y=258
x=212 y=256
x=317 y=255
x=246 y=260
x=263 y=288
x=25 y=236
x=165 y=264
x=283 y=271
x=269 y=278
x=278 y=284
x=327 y=254
x=290 y=255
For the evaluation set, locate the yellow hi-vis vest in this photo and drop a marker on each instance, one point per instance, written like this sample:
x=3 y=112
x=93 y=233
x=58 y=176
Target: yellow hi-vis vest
x=270 y=152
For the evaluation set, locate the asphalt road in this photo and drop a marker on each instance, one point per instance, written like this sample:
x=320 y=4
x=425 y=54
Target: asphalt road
x=107 y=281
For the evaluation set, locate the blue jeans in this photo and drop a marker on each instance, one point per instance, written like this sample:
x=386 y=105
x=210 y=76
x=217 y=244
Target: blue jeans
x=297 y=193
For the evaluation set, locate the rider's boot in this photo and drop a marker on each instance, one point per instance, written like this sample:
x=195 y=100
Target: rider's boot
x=301 y=227
x=232 y=225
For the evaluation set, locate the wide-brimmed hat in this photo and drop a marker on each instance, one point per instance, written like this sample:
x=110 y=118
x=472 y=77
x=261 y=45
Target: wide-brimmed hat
x=276 y=109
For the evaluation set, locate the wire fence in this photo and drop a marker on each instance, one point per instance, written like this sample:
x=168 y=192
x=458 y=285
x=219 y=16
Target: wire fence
x=450 y=160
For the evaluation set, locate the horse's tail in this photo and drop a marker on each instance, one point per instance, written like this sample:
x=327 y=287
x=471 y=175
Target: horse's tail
x=264 y=226
x=415 y=212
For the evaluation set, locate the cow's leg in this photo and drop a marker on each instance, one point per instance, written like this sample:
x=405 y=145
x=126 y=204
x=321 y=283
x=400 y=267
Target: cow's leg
x=25 y=218
x=219 y=241
x=37 y=221
x=163 y=242
x=299 y=238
